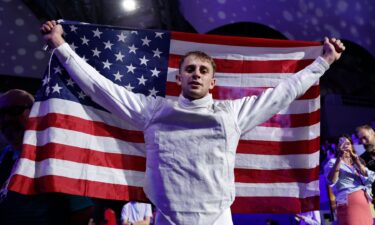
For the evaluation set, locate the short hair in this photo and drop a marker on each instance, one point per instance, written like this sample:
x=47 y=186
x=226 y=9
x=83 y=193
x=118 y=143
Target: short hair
x=365 y=127
x=16 y=97
x=200 y=55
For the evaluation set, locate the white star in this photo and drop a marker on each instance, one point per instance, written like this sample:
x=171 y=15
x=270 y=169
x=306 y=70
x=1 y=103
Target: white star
x=73 y=46
x=81 y=95
x=108 y=44
x=96 y=52
x=144 y=60
x=153 y=92
x=132 y=49
x=107 y=64
x=119 y=56
x=118 y=76
x=134 y=32
x=129 y=87
x=145 y=41
x=47 y=90
x=97 y=33
x=157 y=53
x=130 y=68
x=142 y=80
x=85 y=41
x=46 y=80
x=155 y=72
x=73 y=28
x=159 y=34
x=70 y=82
x=121 y=37
x=84 y=58
x=57 y=69
x=56 y=88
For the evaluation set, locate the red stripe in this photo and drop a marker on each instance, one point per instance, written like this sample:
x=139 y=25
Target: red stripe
x=26 y=185
x=251 y=66
x=293 y=120
x=278 y=147
x=223 y=93
x=83 y=155
x=275 y=204
x=276 y=176
x=84 y=126
x=239 y=41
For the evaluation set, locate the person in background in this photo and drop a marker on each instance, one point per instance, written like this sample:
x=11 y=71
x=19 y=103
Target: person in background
x=15 y=208
x=136 y=213
x=351 y=182
x=309 y=218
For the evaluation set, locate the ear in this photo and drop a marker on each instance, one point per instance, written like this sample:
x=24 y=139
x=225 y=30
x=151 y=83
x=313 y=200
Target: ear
x=213 y=83
x=178 y=79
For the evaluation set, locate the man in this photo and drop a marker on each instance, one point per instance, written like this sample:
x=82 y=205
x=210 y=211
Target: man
x=136 y=213
x=366 y=136
x=190 y=143
x=44 y=209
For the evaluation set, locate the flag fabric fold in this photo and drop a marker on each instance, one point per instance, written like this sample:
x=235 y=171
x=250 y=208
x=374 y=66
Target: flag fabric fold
x=72 y=145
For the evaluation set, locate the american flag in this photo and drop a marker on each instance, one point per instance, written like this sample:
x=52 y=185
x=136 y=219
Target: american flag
x=73 y=145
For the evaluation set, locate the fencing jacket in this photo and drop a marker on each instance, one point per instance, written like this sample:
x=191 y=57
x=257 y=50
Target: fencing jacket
x=190 y=145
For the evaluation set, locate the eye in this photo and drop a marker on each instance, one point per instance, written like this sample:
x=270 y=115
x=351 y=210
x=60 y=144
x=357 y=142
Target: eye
x=190 y=68
x=203 y=70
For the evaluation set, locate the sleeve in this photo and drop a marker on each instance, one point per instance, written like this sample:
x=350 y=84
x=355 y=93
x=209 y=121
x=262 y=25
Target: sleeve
x=254 y=110
x=124 y=213
x=327 y=168
x=370 y=177
x=148 y=210
x=136 y=109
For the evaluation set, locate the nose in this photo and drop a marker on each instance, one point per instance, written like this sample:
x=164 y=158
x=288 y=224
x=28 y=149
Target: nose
x=197 y=74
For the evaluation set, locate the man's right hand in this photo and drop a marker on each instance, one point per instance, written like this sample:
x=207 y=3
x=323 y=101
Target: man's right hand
x=52 y=34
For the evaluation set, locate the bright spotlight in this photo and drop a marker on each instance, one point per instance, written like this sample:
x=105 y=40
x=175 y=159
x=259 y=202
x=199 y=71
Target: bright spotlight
x=129 y=5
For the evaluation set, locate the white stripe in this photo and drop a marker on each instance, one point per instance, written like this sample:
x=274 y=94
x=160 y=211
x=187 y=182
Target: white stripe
x=69 y=169
x=283 y=134
x=275 y=162
x=83 y=140
x=246 y=53
x=296 y=107
x=55 y=105
x=242 y=79
x=296 y=190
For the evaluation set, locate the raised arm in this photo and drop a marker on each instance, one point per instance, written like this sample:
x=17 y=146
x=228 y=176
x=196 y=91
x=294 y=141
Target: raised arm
x=134 y=108
x=254 y=110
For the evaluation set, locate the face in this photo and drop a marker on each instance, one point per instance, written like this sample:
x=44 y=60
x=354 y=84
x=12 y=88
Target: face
x=345 y=144
x=196 y=78
x=366 y=137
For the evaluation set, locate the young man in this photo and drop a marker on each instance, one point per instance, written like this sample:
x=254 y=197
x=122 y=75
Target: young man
x=191 y=142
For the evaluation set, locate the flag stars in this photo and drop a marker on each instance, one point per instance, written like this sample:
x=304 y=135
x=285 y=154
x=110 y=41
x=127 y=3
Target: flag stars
x=48 y=90
x=144 y=60
x=118 y=76
x=46 y=80
x=107 y=64
x=70 y=82
x=131 y=68
x=85 y=41
x=132 y=49
x=134 y=32
x=146 y=41
x=121 y=37
x=153 y=92
x=159 y=35
x=97 y=33
x=157 y=52
x=73 y=28
x=155 y=72
x=81 y=95
x=108 y=45
x=129 y=87
x=119 y=56
x=73 y=47
x=96 y=52
x=57 y=69
x=56 y=88
x=142 y=80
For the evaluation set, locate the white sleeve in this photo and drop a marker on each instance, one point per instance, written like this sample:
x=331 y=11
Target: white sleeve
x=254 y=110
x=136 y=109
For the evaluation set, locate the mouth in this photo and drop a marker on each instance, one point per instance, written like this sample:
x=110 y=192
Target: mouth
x=195 y=83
